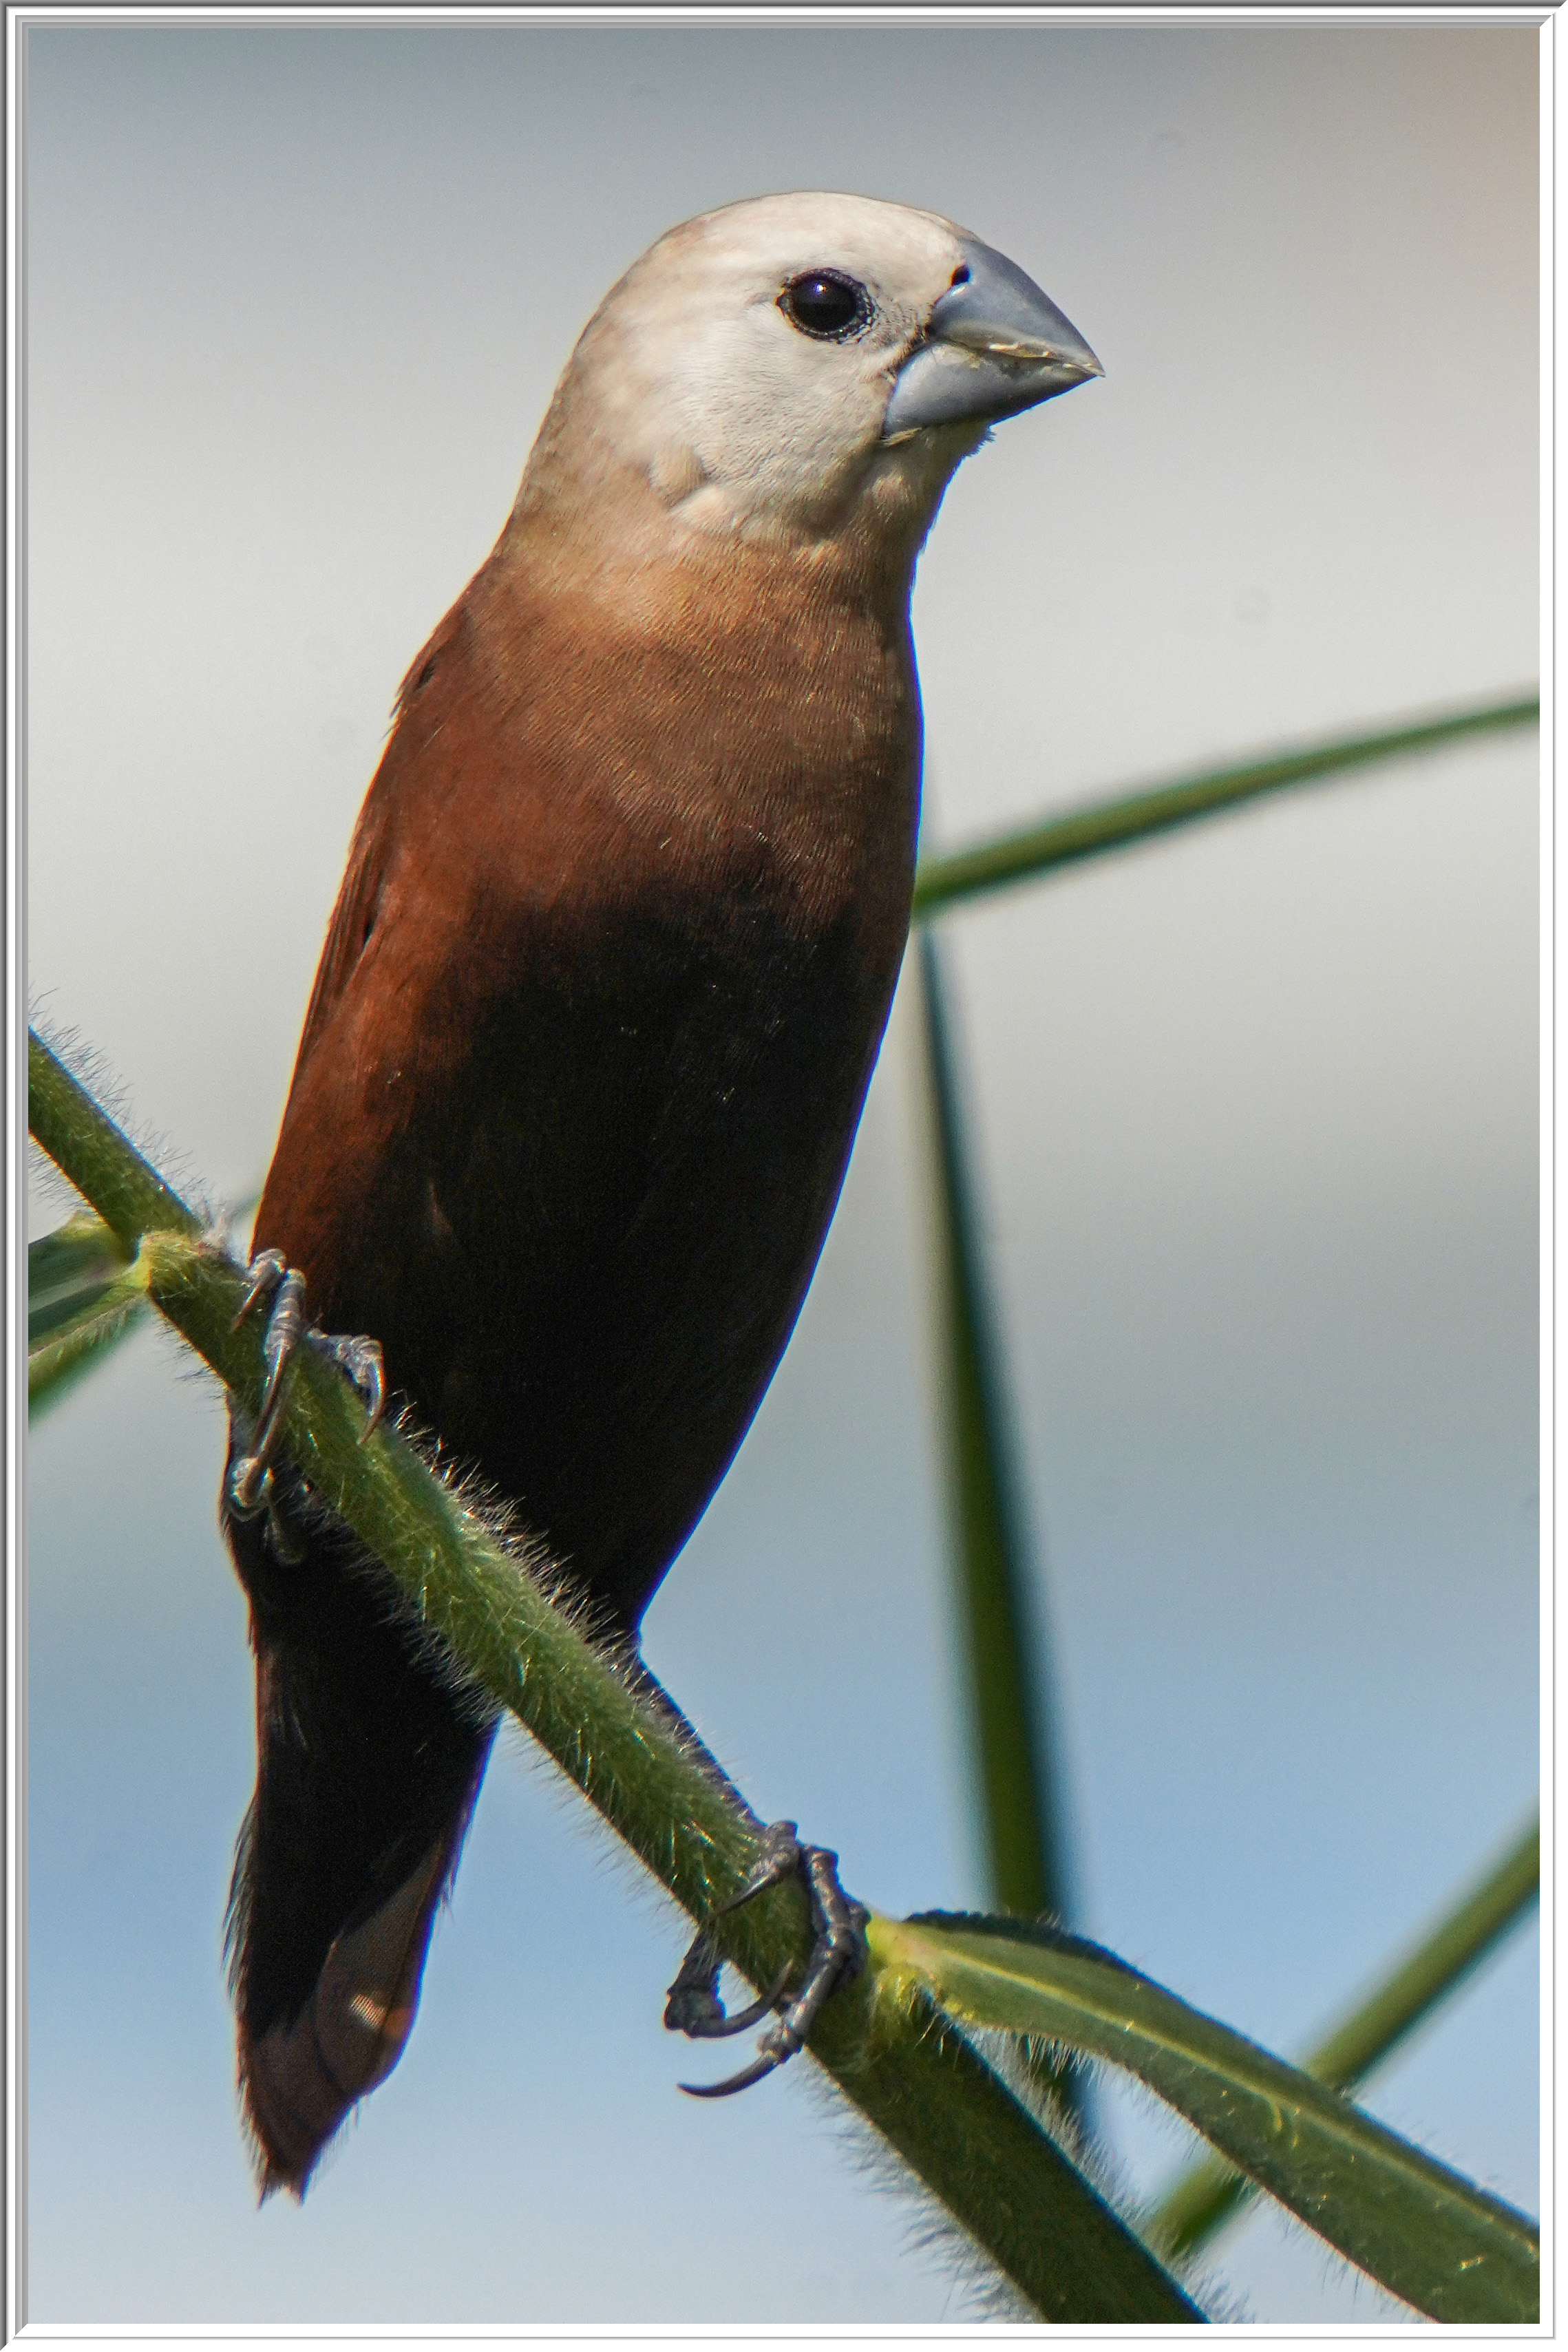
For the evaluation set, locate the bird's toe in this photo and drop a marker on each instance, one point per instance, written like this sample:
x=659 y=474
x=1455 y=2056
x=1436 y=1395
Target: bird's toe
x=271 y=1279
x=360 y=1360
x=837 y=1954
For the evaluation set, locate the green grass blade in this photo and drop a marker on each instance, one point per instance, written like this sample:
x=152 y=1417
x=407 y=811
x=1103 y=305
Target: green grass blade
x=84 y=1295
x=1211 y=2193
x=66 y=1269
x=104 y=1313
x=1017 y=1789
x=1431 y=2237
x=1115 y=824
x=923 y=2086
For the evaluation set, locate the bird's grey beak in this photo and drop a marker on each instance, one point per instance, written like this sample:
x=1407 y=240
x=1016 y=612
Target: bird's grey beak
x=995 y=344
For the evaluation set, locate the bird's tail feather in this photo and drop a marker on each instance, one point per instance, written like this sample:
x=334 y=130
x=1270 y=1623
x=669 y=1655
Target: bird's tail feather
x=368 y=1765
x=299 y=2080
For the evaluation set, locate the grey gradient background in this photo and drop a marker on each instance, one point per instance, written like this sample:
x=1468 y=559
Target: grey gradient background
x=1254 y=1107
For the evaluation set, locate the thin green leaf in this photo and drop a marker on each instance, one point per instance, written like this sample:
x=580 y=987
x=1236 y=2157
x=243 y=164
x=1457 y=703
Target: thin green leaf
x=1207 y=2197
x=1017 y=1789
x=1115 y=824
x=1428 y=2235
x=67 y=1270
x=84 y=1294
x=74 y=1343
x=925 y=2088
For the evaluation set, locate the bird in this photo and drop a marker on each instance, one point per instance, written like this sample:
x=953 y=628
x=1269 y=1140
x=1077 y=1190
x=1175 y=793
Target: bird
x=593 y=1023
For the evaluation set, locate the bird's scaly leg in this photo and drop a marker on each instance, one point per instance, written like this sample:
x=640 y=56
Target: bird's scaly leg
x=250 y=1480
x=838 y=1953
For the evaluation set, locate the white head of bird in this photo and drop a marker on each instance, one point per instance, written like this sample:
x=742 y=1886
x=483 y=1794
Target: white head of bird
x=800 y=368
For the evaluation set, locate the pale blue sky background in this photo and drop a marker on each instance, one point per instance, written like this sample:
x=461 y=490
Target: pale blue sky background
x=1254 y=1107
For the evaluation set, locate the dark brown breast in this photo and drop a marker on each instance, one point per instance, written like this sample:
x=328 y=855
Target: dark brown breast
x=595 y=1019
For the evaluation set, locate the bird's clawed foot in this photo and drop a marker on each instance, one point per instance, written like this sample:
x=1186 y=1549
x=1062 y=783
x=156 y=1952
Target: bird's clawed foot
x=838 y=1953
x=250 y=1483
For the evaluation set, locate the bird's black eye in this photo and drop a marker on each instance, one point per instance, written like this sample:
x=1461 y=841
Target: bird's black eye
x=825 y=303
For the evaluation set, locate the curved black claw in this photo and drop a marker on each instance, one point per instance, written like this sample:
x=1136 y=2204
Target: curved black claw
x=838 y=1953
x=745 y=2078
x=265 y=1273
x=692 y=2006
x=250 y=1484
x=361 y=1361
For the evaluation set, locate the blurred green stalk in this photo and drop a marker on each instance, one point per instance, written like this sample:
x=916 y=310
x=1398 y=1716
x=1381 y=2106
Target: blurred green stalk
x=105 y=1312
x=1114 y=824
x=1017 y=1788
x=1207 y=2197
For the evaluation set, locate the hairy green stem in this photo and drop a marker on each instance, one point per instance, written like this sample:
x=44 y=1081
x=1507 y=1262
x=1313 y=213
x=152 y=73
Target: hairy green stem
x=914 y=2077
x=102 y=1162
x=943 y=879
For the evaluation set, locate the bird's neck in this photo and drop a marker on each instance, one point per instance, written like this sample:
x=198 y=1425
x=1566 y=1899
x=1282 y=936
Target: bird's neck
x=858 y=535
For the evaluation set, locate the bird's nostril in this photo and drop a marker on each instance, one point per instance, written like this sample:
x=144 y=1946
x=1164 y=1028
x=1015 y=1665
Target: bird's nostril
x=960 y=276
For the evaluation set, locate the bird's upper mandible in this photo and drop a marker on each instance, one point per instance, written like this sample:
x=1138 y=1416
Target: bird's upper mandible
x=796 y=366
